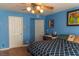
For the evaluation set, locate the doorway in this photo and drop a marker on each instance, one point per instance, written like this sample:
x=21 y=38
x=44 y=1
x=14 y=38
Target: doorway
x=39 y=30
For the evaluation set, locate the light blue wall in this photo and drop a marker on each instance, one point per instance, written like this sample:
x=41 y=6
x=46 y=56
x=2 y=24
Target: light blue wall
x=47 y=29
x=4 y=38
x=60 y=22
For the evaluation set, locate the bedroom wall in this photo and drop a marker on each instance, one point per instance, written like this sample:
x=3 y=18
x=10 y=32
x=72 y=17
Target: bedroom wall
x=60 y=20
x=4 y=38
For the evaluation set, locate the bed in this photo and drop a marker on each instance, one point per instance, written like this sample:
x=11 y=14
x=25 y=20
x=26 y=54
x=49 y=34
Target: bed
x=55 y=47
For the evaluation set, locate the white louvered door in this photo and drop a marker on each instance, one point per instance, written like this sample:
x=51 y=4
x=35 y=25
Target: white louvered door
x=15 y=31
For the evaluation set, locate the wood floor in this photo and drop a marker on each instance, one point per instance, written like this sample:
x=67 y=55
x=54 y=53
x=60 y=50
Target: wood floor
x=21 y=51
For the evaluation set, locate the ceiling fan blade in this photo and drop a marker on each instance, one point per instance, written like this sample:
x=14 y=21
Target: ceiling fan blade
x=23 y=9
x=33 y=5
x=43 y=6
x=48 y=7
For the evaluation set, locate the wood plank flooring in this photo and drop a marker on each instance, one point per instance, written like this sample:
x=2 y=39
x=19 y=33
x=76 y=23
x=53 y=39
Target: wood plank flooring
x=21 y=51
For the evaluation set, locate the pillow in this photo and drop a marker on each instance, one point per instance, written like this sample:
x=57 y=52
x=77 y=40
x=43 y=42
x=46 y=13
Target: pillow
x=76 y=39
x=63 y=36
x=71 y=38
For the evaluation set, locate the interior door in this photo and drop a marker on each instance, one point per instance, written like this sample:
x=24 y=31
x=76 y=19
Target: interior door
x=15 y=31
x=39 y=30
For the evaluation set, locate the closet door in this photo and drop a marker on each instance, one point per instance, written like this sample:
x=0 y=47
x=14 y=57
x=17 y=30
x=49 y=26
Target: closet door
x=39 y=30
x=15 y=31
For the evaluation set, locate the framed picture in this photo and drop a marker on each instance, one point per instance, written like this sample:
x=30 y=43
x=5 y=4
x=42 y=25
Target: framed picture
x=73 y=18
x=51 y=23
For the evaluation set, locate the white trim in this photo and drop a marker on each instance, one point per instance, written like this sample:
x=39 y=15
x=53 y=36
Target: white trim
x=26 y=45
x=3 y=49
x=19 y=46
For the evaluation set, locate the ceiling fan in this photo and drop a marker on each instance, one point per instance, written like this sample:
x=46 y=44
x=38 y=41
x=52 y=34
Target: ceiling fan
x=37 y=8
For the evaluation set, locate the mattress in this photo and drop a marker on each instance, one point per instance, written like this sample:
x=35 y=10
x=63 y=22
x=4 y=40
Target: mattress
x=56 y=47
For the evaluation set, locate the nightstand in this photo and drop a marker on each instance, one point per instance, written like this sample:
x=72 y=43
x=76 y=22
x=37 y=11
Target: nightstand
x=48 y=37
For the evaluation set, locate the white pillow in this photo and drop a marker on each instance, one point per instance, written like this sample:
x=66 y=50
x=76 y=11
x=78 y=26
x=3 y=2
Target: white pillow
x=71 y=38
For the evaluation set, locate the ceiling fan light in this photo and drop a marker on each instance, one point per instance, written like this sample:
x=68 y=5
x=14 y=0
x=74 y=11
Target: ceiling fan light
x=41 y=11
x=28 y=8
x=38 y=7
x=33 y=11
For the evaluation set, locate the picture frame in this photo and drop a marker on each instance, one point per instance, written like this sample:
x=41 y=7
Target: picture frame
x=73 y=18
x=51 y=23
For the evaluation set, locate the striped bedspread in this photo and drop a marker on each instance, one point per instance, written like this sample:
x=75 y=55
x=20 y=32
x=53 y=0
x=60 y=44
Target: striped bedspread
x=56 y=47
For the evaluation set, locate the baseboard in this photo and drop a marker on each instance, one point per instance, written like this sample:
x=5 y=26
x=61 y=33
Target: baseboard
x=26 y=45
x=4 y=49
x=12 y=48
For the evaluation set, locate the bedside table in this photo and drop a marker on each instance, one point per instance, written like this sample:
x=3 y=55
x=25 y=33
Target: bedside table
x=48 y=37
x=54 y=37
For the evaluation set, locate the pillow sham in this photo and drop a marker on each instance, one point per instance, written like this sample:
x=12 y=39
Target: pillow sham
x=71 y=38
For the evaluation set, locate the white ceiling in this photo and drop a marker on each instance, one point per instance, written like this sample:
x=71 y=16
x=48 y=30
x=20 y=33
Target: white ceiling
x=19 y=6
x=62 y=6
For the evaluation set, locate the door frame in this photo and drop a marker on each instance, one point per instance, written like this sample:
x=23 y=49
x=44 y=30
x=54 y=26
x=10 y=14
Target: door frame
x=33 y=29
x=9 y=29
